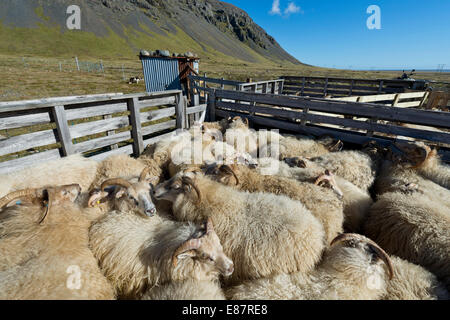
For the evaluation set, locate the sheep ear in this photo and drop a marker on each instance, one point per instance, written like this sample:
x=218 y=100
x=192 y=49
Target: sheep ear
x=96 y=196
x=187 y=254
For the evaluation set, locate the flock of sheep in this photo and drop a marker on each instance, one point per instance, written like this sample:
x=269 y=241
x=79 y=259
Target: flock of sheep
x=326 y=224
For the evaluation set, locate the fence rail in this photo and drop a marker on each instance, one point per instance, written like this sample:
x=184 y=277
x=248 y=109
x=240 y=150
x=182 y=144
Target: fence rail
x=415 y=99
x=342 y=119
x=98 y=126
x=321 y=87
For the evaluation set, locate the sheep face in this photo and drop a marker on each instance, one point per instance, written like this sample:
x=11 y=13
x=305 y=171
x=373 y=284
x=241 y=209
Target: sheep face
x=206 y=250
x=223 y=174
x=180 y=185
x=356 y=255
x=127 y=196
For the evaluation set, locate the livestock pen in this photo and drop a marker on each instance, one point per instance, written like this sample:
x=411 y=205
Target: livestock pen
x=97 y=126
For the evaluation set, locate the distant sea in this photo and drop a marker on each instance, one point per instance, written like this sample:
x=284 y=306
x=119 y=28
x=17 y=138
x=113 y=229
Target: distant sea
x=408 y=70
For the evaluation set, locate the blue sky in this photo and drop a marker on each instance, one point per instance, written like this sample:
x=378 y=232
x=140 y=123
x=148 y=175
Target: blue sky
x=334 y=33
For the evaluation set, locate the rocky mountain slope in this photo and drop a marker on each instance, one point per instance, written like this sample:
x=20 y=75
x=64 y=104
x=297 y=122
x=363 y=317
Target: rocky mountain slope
x=211 y=28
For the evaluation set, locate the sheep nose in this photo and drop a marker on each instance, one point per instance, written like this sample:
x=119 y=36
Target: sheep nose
x=150 y=212
x=229 y=271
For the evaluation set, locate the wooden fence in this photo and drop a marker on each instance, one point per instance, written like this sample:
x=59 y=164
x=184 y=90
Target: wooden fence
x=202 y=85
x=341 y=119
x=401 y=100
x=321 y=87
x=96 y=126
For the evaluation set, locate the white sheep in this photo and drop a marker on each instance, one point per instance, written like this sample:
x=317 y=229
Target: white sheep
x=69 y=170
x=44 y=251
x=137 y=254
x=351 y=269
x=414 y=227
x=253 y=227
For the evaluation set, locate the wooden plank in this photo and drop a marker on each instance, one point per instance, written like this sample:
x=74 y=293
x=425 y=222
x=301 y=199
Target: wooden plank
x=409 y=95
x=28 y=161
x=408 y=104
x=158 y=127
x=217 y=81
x=375 y=98
x=430 y=118
x=102 y=142
x=179 y=111
x=44 y=103
x=331 y=119
x=62 y=128
x=196 y=109
x=95 y=111
x=136 y=127
x=124 y=150
x=27 y=141
x=157 y=102
x=159 y=114
x=12 y=122
x=94 y=127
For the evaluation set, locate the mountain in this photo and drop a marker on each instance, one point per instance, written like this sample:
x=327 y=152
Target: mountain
x=215 y=30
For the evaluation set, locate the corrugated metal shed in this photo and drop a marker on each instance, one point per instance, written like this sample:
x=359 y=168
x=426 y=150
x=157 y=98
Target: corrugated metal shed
x=161 y=74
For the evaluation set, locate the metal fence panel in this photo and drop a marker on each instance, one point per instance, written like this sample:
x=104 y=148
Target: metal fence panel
x=161 y=74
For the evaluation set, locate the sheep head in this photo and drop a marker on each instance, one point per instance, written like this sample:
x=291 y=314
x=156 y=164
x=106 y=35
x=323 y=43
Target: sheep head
x=328 y=180
x=206 y=249
x=45 y=197
x=127 y=196
x=331 y=144
x=223 y=174
x=238 y=123
x=296 y=162
x=182 y=184
x=415 y=154
x=360 y=252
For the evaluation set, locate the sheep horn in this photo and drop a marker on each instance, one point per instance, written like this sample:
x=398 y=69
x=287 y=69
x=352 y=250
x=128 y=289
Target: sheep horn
x=28 y=193
x=375 y=247
x=50 y=193
x=189 y=245
x=226 y=169
x=115 y=182
x=329 y=176
x=209 y=226
x=189 y=181
x=144 y=174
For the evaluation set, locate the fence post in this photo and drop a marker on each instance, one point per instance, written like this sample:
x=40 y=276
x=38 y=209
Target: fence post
x=136 y=127
x=78 y=65
x=180 y=111
x=212 y=106
x=325 y=89
x=62 y=127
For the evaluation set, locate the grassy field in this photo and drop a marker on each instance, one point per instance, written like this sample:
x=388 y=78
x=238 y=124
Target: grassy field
x=38 y=77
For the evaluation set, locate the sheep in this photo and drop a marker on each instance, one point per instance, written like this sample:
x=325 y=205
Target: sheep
x=68 y=170
x=207 y=254
x=264 y=234
x=356 y=201
x=44 y=248
x=137 y=254
x=354 y=166
x=413 y=227
x=126 y=167
x=322 y=203
x=413 y=282
x=425 y=162
x=351 y=269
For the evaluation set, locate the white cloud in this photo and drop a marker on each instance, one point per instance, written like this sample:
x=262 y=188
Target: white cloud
x=275 y=8
x=292 y=8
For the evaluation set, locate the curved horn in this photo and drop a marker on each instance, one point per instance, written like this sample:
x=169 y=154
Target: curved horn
x=115 y=182
x=246 y=122
x=209 y=226
x=189 y=245
x=50 y=193
x=28 y=193
x=144 y=174
x=226 y=169
x=375 y=247
x=189 y=181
